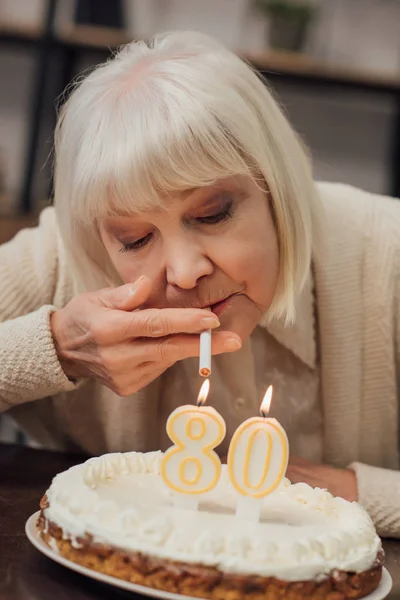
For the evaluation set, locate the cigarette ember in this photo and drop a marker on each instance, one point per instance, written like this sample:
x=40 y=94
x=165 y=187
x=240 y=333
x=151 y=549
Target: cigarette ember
x=205 y=353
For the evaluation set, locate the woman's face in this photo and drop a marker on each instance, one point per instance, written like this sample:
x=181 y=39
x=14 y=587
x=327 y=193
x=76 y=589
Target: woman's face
x=214 y=246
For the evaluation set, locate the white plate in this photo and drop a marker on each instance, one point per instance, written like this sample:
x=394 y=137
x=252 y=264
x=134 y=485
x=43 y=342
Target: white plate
x=32 y=532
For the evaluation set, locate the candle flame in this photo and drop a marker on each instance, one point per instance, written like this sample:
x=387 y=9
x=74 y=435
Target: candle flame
x=202 y=397
x=266 y=403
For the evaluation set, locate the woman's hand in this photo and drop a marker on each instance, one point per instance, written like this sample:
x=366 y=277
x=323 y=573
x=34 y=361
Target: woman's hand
x=339 y=482
x=102 y=335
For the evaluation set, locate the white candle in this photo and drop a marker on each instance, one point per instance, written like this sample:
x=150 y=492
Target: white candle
x=257 y=460
x=191 y=467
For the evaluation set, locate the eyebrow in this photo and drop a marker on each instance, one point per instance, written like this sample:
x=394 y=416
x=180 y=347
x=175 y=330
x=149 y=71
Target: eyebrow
x=216 y=195
x=205 y=201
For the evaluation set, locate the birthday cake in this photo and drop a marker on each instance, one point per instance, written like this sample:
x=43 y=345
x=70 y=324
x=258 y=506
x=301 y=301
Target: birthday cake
x=115 y=514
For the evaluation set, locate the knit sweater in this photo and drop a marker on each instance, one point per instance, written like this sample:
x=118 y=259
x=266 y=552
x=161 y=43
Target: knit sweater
x=357 y=296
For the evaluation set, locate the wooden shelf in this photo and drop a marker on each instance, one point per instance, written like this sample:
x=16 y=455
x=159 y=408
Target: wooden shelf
x=10 y=31
x=275 y=62
x=295 y=65
x=303 y=65
x=96 y=38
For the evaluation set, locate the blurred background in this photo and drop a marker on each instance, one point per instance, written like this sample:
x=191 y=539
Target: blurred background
x=333 y=64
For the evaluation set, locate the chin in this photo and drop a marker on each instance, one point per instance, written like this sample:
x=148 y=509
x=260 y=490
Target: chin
x=241 y=315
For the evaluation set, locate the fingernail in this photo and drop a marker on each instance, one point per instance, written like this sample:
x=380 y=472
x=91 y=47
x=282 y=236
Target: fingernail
x=232 y=344
x=134 y=287
x=210 y=322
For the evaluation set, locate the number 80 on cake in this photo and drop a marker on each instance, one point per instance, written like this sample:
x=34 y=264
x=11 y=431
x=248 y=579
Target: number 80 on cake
x=257 y=457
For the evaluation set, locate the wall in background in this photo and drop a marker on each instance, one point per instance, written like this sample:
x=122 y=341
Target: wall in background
x=234 y=22
x=348 y=133
x=362 y=33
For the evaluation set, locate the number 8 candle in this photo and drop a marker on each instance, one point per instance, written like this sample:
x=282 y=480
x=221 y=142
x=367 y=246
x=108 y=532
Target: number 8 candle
x=257 y=460
x=191 y=467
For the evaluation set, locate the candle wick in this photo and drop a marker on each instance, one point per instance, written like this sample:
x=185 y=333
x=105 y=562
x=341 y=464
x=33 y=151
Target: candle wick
x=262 y=414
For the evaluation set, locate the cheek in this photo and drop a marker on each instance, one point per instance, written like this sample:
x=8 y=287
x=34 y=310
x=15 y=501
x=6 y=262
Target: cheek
x=128 y=270
x=252 y=256
x=263 y=267
x=130 y=266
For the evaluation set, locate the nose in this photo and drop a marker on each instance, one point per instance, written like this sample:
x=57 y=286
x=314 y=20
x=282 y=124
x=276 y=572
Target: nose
x=186 y=262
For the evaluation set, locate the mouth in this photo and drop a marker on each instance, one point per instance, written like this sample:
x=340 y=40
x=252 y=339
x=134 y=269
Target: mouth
x=220 y=306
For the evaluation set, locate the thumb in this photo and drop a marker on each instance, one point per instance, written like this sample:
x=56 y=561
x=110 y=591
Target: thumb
x=129 y=296
x=297 y=461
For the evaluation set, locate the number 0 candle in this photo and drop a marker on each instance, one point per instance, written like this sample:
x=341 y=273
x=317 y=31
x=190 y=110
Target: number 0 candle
x=191 y=466
x=257 y=460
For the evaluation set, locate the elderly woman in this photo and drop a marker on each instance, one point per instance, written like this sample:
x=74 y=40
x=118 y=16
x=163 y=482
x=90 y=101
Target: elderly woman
x=180 y=187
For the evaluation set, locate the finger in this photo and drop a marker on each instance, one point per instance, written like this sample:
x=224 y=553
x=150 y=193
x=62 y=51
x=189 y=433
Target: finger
x=126 y=357
x=178 y=347
x=142 y=377
x=126 y=297
x=155 y=322
x=298 y=461
x=291 y=473
x=123 y=362
x=300 y=471
x=295 y=476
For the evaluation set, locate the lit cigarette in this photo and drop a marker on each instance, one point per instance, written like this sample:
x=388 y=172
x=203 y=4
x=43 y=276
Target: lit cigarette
x=205 y=353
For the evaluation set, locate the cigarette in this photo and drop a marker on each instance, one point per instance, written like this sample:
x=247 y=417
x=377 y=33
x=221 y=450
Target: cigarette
x=205 y=353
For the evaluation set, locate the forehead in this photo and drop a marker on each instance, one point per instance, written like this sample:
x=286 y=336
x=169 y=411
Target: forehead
x=233 y=183
x=186 y=199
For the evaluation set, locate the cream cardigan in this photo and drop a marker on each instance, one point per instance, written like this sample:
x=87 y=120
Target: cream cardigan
x=358 y=311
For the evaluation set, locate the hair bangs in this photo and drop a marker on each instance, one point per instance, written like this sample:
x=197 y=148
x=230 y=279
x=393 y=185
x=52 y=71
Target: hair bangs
x=146 y=151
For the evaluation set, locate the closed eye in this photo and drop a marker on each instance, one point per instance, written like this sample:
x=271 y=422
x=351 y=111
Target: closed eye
x=216 y=218
x=137 y=244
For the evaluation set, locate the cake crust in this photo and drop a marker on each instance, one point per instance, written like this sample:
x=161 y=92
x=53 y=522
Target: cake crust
x=203 y=581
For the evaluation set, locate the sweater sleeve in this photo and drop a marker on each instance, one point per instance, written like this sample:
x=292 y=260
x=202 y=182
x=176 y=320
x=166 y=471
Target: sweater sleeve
x=379 y=493
x=30 y=274
x=378 y=488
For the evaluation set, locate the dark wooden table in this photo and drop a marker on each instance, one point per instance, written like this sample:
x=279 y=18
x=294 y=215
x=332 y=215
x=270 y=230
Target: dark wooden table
x=25 y=573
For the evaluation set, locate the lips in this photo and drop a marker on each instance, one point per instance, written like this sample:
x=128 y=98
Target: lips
x=220 y=306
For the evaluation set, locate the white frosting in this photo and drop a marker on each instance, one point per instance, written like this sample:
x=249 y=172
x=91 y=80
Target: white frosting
x=121 y=500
